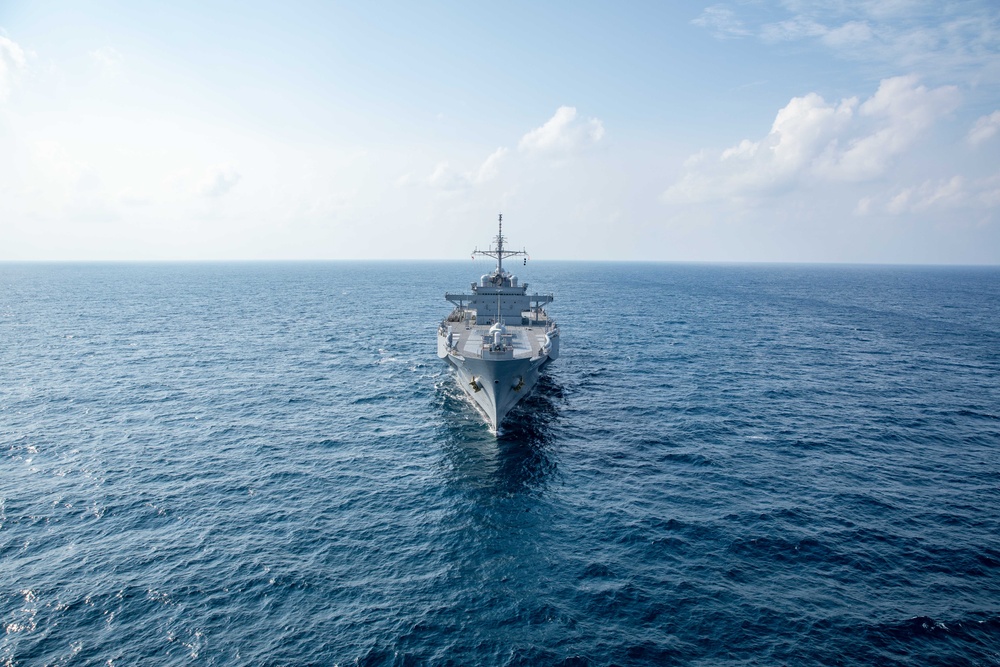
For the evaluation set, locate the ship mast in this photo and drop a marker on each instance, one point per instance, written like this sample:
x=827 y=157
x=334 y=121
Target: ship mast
x=498 y=252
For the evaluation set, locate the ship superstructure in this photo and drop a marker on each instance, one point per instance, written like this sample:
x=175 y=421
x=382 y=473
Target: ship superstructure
x=498 y=336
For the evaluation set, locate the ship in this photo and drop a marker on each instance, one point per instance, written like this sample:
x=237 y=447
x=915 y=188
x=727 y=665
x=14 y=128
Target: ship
x=498 y=337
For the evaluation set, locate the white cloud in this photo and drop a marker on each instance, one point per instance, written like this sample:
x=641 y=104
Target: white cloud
x=849 y=35
x=798 y=27
x=491 y=167
x=562 y=133
x=864 y=206
x=445 y=178
x=108 y=60
x=722 y=21
x=950 y=39
x=813 y=141
x=218 y=181
x=806 y=129
x=947 y=194
x=900 y=112
x=12 y=61
x=984 y=129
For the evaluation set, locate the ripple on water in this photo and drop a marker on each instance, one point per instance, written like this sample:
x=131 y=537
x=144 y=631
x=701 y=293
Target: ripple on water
x=227 y=464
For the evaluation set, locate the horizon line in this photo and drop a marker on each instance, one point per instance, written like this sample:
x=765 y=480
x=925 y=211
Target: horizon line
x=457 y=261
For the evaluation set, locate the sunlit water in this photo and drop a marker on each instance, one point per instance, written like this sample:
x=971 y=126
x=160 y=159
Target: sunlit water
x=268 y=465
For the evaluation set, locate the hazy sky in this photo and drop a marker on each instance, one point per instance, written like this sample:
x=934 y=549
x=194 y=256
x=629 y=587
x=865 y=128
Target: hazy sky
x=835 y=130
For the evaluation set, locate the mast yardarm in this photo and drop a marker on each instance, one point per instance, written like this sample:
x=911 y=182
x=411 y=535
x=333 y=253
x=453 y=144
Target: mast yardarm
x=497 y=251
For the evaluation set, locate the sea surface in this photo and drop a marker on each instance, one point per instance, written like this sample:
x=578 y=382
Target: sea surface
x=266 y=464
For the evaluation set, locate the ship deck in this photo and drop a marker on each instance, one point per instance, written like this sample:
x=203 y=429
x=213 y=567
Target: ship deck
x=527 y=341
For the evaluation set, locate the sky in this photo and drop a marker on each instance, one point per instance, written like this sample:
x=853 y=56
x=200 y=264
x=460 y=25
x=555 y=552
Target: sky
x=853 y=131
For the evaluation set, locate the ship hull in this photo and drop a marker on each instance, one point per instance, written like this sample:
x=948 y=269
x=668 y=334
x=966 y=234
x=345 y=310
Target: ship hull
x=498 y=336
x=496 y=386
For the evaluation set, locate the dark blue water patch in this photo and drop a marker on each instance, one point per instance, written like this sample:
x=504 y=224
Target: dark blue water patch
x=244 y=464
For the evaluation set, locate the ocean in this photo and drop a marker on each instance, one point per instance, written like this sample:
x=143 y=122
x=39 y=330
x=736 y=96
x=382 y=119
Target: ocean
x=266 y=464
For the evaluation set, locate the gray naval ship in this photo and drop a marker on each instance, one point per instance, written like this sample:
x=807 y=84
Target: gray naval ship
x=498 y=337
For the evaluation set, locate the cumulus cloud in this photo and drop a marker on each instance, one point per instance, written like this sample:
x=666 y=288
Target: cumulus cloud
x=562 y=133
x=955 y=192
x=446 y=178
x=984 y=129
x=815 y=141
x=218 y=181
x=12 y=61
x=489 y=169
x=948 y=193
x=945 y=194
x=898 y=114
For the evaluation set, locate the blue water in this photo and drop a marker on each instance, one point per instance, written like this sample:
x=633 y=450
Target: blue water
x=266 y=464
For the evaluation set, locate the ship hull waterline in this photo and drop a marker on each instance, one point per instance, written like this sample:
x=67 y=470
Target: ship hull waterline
x=496 y=387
